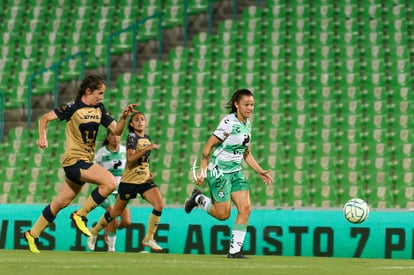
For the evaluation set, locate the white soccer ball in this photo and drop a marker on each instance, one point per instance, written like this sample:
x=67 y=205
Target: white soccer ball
x=356 y=210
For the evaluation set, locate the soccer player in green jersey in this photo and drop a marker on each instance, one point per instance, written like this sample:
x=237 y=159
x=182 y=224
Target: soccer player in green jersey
x=112 y=156
x=223 y=170
x=83 y=117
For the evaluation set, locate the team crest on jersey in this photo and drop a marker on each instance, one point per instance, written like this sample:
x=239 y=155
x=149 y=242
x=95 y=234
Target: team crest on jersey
x=221 y=194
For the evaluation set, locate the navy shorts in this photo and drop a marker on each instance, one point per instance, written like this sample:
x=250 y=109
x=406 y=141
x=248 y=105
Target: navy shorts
x=127 y=191
x=73 y=172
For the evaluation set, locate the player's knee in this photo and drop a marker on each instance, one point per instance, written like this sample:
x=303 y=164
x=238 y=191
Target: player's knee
x=159 y=206
x=124 y=224
x=223 y=216
x=109 y=185
x=127 y=223
x=245 y=210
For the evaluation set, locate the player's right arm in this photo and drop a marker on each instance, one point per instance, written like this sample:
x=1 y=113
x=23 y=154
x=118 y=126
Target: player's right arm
x=205 y=156
x=42 y=127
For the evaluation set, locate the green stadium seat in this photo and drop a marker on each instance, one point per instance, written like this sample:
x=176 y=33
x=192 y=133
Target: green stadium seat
x=324 y=149
x=323 y=192
x=378 y=172
x=402 y=150
x=201 y=66
x=33 y=190
x=228 y=26
x=350 y=185
x=404 y=198
x=249 y=81
x=224 y=81
x=296 y=194
x=403 y=165
x=402 y=136
x=200 y=79
x=197 y=6
x=148 y=30
x=225 y=53
x=267 y=195
x=298 y=108
x=173 y=16
x=9 y=192
x=177 y=66
x=381 y=197
x=176 y=79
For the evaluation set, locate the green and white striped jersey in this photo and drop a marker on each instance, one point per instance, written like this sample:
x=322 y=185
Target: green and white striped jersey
x=228 y=155
x=114 y=162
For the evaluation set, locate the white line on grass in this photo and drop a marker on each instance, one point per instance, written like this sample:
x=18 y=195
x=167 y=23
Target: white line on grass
x=393 y=267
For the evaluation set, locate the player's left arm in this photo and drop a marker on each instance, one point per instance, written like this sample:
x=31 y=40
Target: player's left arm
x=251 y=161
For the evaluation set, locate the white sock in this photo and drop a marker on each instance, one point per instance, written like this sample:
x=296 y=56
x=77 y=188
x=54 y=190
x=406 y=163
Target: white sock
x=111 y=243
x=204 y=202
x=237 y=238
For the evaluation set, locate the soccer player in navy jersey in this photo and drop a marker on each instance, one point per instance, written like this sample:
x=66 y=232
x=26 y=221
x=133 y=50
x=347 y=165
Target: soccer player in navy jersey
x=83 y=117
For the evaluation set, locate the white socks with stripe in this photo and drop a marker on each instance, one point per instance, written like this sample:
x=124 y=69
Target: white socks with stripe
x=237 y=238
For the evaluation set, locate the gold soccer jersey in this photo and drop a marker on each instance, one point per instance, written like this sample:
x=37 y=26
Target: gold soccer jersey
x=138 y=171
x=82 y=124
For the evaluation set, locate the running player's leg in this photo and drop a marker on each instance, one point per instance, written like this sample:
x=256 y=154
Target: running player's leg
x=241 y=198
x=219 y=204
x=92 y=173
x=153 y=196
x=106 y=185
x=125 y=220
x=109 y=216
x=67 y=193
x=105 y=219
x=110 y=229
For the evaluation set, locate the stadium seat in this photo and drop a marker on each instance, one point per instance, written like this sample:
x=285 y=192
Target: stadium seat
x=267 y=195
x=381 y=197
x=173 y=16
x=404 y=198
x=324 y=191
x=9 y=192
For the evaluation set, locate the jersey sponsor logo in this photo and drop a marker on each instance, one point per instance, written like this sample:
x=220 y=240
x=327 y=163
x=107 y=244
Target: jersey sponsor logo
x=91 y=117
x=238 y=152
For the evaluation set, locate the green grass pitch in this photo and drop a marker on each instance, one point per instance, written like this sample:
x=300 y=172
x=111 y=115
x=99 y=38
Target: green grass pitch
x=78 y=263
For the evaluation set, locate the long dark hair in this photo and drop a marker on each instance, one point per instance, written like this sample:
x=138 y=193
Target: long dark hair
x=236 y=97
x=92 y=82
x=105 y=141
x=130 y=128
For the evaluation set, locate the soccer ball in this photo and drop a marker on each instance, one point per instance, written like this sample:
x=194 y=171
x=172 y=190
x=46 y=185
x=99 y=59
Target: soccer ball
x=356 y=210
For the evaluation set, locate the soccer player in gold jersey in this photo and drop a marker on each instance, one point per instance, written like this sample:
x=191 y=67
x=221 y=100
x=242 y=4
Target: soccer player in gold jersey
x=83 y=117
x=136 y=179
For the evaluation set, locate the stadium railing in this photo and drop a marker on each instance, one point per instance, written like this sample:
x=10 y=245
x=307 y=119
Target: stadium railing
x=55 y=68
x=134 y=28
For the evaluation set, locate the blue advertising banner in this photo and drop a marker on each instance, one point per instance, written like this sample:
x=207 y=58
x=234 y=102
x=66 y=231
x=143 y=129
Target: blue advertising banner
x=314 y=232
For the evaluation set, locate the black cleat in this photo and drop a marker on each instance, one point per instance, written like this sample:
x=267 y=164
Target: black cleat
x=191 y=203
x=237 y=255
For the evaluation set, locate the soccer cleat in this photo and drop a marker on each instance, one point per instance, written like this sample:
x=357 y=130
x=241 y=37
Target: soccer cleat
x=237 y=255
x=80 y=223
x=91 y=242
x=191 y=203
x=152 y=244
x=31 y=241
